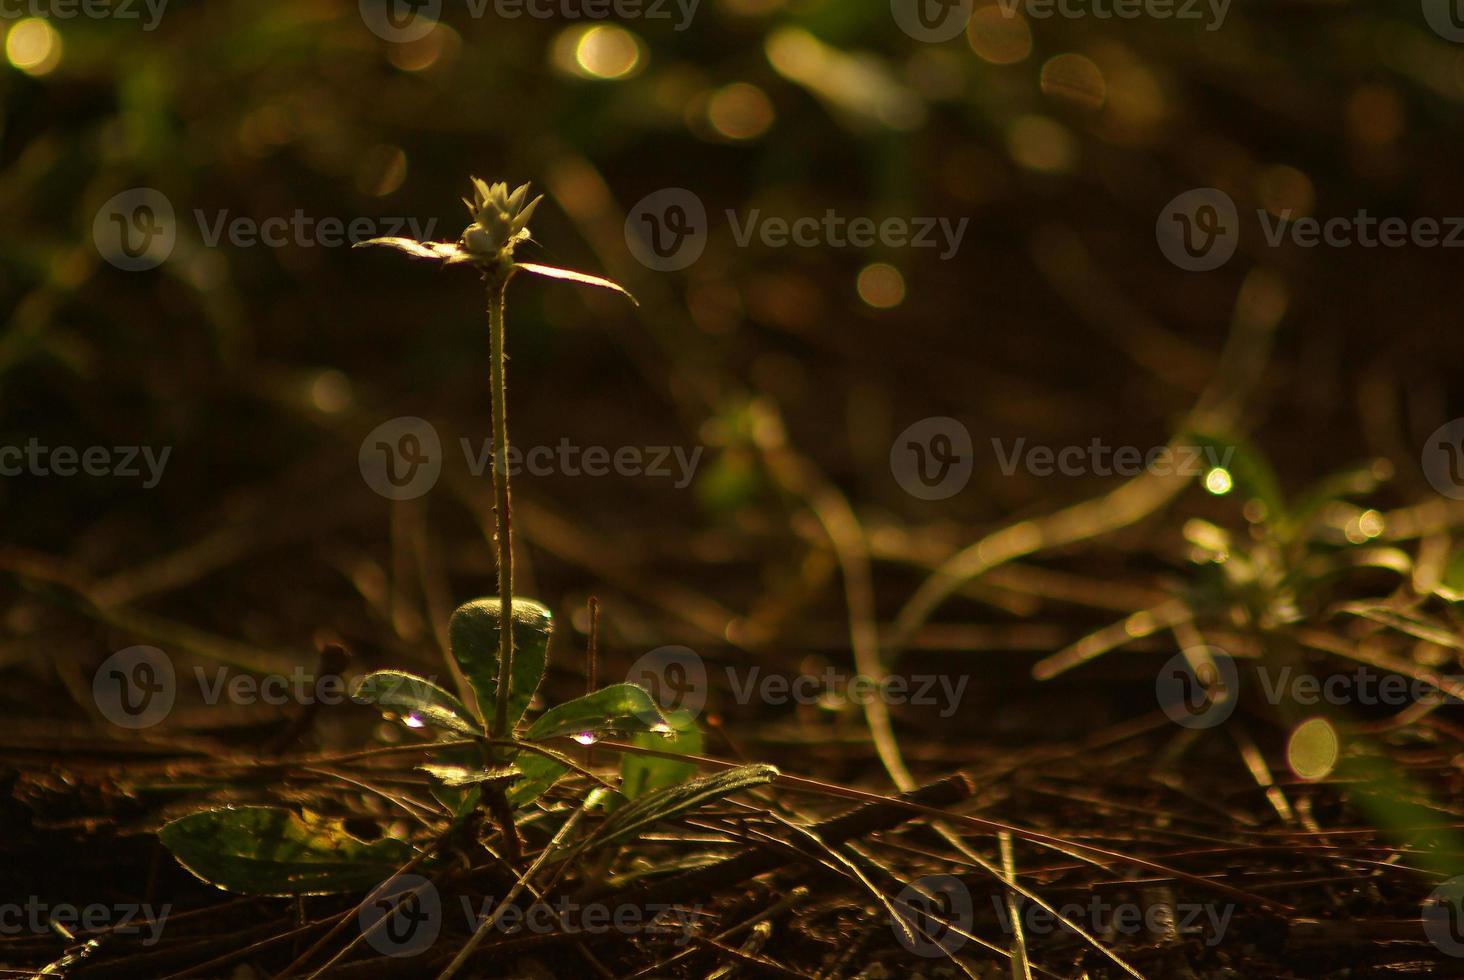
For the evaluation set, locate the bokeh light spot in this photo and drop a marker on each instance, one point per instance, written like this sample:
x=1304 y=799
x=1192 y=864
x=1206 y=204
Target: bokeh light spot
x=1312 y=750
x=604 y=51
x=33 y=46
x=1286 y=190
x=1074 y=79
x=740 y=111
x=998 y=37
x=881 y=286
x=1042 y=144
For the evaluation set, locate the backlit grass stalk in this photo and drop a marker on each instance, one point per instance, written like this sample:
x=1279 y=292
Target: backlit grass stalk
x=503 y=513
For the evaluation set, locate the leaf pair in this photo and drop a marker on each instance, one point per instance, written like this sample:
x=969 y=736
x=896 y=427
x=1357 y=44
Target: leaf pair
x=473 y=634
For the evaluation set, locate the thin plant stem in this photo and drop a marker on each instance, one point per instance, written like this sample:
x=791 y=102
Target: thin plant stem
x=497 y=286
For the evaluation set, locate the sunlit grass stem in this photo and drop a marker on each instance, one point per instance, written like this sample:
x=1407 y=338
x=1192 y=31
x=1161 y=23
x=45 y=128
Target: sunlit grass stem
x=497 y=287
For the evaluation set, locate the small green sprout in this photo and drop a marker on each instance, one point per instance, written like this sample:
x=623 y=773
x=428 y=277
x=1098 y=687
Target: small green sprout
x=500 y=650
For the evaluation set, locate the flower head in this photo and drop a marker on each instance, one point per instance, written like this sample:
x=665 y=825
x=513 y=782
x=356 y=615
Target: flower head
x=500 y=220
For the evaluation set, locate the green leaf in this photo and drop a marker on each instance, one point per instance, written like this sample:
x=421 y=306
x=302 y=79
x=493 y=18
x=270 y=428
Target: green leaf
x=409 y=694
x=262 y=850
x=662 y=804
x=639 y=774
x=456 y=798
x=619 y=707
x=473 y=634
x=457 y=776
x=539 y=773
